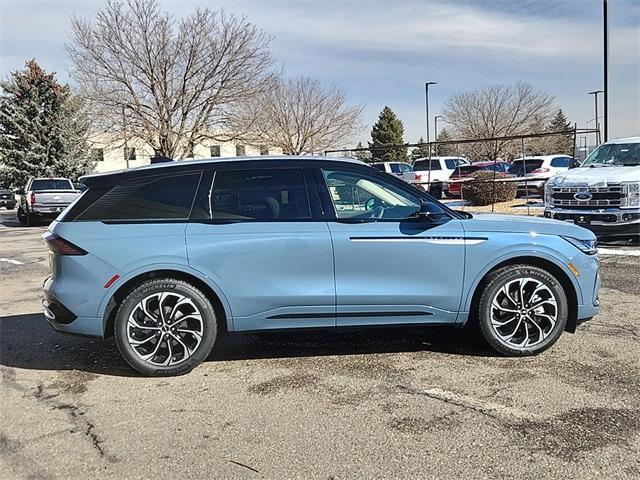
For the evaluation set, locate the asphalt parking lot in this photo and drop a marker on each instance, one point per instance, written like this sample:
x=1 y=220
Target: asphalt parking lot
x=409 y=403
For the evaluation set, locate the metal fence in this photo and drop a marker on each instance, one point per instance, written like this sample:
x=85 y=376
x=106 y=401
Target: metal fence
x=515 y=146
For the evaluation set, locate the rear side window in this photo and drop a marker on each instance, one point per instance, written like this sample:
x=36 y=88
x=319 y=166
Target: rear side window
x=423 y=165
x=378 y=166
x=518 y=166
x=260 y=194
x=561 y=162
x=149 y=198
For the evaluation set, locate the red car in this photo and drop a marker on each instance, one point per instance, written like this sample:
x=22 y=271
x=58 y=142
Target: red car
x=467 y=171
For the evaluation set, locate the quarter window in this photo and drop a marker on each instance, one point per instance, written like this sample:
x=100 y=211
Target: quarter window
x=149 y=198
x=561 y=162
x=278 y=194
x=360 y=196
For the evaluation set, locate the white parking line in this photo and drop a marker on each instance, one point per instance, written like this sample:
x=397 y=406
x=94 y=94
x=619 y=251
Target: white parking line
x=11 y=261
x=490 y=409
x=615 y=251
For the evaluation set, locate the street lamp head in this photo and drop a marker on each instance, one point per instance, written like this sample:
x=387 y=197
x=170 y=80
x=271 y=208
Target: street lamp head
x=430 y=83
x=595 y=92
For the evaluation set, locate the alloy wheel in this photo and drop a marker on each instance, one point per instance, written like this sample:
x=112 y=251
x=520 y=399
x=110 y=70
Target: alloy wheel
x=524 y=312
x=165 y=328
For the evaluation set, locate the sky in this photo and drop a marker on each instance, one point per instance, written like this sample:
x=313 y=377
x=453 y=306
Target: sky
x=381 y=52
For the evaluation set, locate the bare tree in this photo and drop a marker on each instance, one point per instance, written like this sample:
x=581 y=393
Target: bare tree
x=171 y=83
x=496 y=111
x=300 y=116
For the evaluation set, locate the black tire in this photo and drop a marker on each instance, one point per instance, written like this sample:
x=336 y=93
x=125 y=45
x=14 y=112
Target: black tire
x=156 y=286
x=436 y=191
x=21 y=216
x=30 y=221
x=494 y=283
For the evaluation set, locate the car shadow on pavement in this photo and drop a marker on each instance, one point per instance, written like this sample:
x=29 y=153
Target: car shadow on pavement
x=28 y=342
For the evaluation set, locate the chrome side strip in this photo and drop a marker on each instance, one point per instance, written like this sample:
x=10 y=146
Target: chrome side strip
x=429 y=240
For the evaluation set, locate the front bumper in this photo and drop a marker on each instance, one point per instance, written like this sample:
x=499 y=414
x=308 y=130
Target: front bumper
x=604 y=223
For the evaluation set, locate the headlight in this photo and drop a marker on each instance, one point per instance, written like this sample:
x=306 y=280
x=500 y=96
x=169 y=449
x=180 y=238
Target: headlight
x=633 y=193
x=590 y=247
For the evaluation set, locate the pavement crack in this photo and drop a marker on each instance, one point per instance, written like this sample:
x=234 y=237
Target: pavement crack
x=243 y=465
x=75 y=412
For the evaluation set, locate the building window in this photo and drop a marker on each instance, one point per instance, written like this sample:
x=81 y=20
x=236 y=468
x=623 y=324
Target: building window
x=240 y=151
x=129 y=153
x=97 y=154
x=214 y=150
x=264 y=150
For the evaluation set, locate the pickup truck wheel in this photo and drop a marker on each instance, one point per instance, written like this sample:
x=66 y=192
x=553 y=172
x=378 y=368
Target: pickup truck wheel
x=522 y=311
x=21 y=216
x=436 y=191
x=165 y=327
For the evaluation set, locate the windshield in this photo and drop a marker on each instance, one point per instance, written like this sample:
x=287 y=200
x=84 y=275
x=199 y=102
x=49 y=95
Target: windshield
x=51 y=184
x=620 y=154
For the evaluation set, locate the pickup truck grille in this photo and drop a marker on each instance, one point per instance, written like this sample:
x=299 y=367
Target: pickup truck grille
x=611 y=196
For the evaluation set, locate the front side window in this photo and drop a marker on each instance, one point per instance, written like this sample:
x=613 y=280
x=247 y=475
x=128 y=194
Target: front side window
x=149 y=198
x=395 y=168
x=267 y=194
x=360 y=196
x=405 y=167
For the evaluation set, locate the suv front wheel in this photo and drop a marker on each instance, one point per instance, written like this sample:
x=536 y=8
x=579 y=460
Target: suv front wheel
x=165 y=327
x=522 y=310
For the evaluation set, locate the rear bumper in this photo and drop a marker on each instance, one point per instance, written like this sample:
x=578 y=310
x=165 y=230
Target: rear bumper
x=62 y=319
x=47 y=211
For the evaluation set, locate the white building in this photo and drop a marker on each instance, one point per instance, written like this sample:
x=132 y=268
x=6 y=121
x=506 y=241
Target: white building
x=113 y=155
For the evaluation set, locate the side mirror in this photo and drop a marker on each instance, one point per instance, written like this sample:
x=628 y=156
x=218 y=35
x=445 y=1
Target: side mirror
x=429 y=211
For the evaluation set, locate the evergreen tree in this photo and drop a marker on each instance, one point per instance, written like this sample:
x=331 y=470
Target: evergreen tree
x=442 y=150
x=43 y=128
x=420 y=152
x=388 y=130
x=362 y=155
x=560 y=143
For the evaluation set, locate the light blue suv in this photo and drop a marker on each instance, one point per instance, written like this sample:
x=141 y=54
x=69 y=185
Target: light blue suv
x=168 y=257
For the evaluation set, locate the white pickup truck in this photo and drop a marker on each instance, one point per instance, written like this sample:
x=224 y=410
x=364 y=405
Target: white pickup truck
x=602 y=195
x=441 y=170
x=45 y=198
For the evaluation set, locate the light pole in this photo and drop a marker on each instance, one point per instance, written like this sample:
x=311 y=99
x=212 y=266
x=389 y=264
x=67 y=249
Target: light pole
x=435 y=130
x=595 y=97
x=605 y=35
x=426 y=104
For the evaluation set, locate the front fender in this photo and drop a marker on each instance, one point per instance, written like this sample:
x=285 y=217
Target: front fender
x=475 y=271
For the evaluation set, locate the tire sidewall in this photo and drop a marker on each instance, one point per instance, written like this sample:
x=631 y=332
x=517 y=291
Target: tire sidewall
x=209 y=325
x=496 y=283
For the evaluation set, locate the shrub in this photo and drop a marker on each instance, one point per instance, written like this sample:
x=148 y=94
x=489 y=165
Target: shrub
x=482 y=193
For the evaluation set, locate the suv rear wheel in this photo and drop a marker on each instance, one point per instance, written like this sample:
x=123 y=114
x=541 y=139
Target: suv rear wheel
x=522 y=311
x=165 y=327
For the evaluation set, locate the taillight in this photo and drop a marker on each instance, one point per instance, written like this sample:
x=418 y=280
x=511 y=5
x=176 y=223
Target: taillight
x=60 y=246
x=540 y=170
x=32 y=199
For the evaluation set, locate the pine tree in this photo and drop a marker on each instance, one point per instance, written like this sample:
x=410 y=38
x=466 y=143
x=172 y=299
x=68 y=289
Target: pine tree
x=43 y=128
x=362 y=155
x=560 y=143
x=388 y=130
x=442 y=150
x=420 y=152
